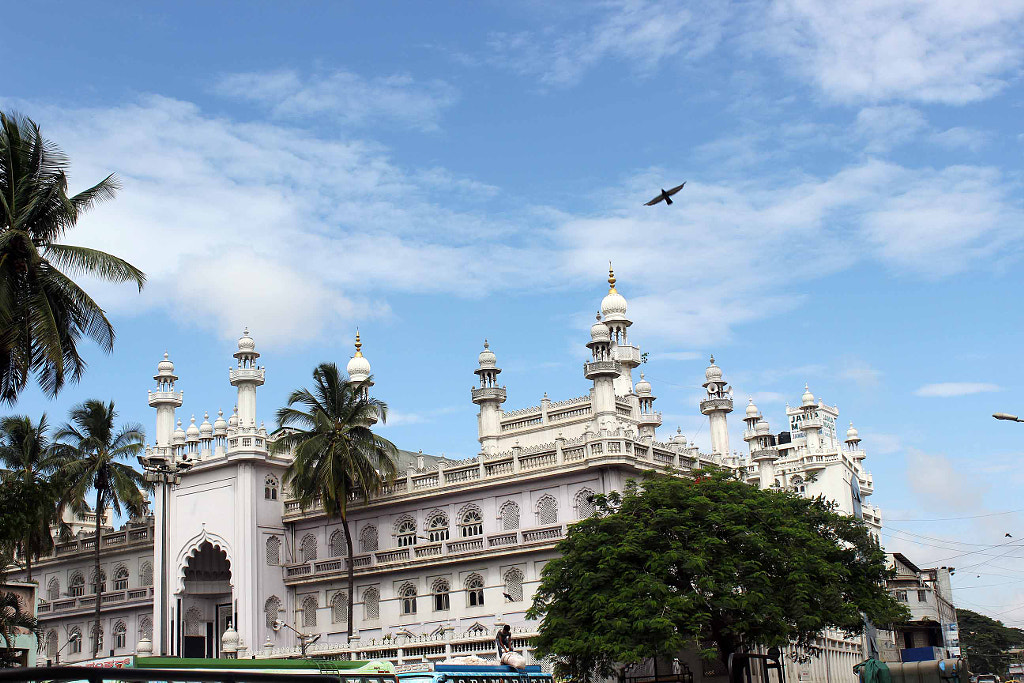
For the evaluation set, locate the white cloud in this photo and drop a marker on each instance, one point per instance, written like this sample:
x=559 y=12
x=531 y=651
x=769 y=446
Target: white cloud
x=860 y=372
x=680 y=355
x=915 y=50
x=960 y=137
x=950 y=389
x=885 y=127
x=940 y=484
x=344 y=96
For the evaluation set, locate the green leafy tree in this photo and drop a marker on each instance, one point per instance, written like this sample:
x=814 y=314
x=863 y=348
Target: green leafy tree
x=26 y=454
x=336 y=455
x=43 y=313
x=986 y=641
x=710 y=560
x=93 y=450
x=15 y=618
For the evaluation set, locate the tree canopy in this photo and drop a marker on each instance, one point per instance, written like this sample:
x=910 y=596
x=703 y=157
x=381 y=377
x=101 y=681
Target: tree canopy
x=986 y=640
x=710 y=560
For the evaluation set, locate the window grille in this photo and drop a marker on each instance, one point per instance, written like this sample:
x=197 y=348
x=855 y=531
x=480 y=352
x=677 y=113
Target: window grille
x=102 y=581
x=371 y=604
x=146 y=628
x=77 y=585
x=53 y=589
x=309 y=611
x=271 y=608
x=308 y=548
x=51 y=645
x=273 y=551
x=547 y=511
x=146 y=574
x=585 y=504
x=509 y=516
x=368 y=539
x=339 y=608
x=270 y=487
x=194 y=624
x=337 y=544
x=514 y=584
x=405 y=533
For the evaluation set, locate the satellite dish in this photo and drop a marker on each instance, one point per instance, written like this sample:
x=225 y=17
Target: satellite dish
x=278 y=624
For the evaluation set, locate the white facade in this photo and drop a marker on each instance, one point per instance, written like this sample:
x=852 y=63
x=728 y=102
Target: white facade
x=451 y=548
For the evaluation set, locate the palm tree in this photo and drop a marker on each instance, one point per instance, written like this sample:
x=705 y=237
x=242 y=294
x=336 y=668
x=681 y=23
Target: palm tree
x=25 y=452
x=13 y=620
x=93 y=450
x=43 y=313
x=336 y=456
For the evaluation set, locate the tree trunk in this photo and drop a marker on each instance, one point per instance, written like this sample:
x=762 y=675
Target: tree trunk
x=28 y=566
x=99 y=574
x=351 y=573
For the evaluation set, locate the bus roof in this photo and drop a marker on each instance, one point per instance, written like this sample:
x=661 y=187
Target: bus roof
x=318 y=665
x=483 y=669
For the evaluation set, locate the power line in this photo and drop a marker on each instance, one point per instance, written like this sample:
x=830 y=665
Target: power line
x=949 y=519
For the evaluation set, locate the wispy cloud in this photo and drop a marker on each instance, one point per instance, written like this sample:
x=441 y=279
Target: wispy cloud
x=932 y=476
x=950 y=389
x=859 y=372
x=680 y=355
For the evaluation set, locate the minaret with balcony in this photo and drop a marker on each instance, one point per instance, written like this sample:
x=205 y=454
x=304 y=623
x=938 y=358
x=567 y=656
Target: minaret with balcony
x=166 y=400
x=358 y=370
x=853 y=444
x=716 y=405
x=810 y=423
x=602 y=369
x=247 y=376
x=613 y=308
x=489 y=396
x=650 y=419
x=763 y=451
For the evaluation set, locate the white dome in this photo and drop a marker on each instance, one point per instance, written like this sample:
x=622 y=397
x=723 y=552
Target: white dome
x=599 y=331
x=206 y=429
x=179 y=434
x=761 y=427
x=613 y=305
x=713 y=373
x=487 y=359
x=220 y=425
x=643 y=387
x=679 y=437
x=233 y=420
x=808 y=398
x=245 y=342
x=192 y=432
x=852 y=433
x=358 y=368
x=751 y=409
x=165 y=367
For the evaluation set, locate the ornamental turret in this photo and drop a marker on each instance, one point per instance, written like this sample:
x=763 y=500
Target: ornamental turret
x=613 y=308
x=489 y=396
x=763 y=451
x=603 y=369
x=165 y=399
x=247 y=376
x=650 y=419
x=358 y=370
x=810 y=421
x=206 y=437
x=716 y=405
x=853 y=443
x=192 y=439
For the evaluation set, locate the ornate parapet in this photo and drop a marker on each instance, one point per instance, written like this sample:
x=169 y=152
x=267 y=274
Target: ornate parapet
x=239 y=375
x=601 y=368
x=711 y=405
x=484 y=394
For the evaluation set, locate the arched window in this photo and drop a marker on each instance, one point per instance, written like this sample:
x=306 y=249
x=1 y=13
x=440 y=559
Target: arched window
x=442 y=598
x=146 y=574
x=437 y=526
x=337 y=544
x=76 y=586
x=121 y=579
x=509 y=516
x=339 y=608
x=547 y=510
x=514 y=584
x=270 y=487
x=271 y=608
x=475 y=590
x=368 y=539
x=371 y=604
x=53 y=589
x=308 y=548
x=407 y=593
x=51 y=645
x=309 y=611
x=471 y=522
x=273 y=551
x=120 y=636
x=405 y=532
x=75 y=638
x=146 y=628
x=102 y=581
x=584 y=503
x=797 y=483
x=194 y=624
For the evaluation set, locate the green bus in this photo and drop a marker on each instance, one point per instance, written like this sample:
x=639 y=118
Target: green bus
x=345 y=671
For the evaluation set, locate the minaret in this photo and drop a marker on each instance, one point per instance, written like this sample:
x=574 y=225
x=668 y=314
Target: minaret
x=165 y=399
x=247 y=376
x=716 y=406
x=811 y=424
x=358 y=370
x=751 y=416
x=489 y=396
x=650 y=419
x=853 y=443
x=764 y=453
x=613 y=308
x=602 y=369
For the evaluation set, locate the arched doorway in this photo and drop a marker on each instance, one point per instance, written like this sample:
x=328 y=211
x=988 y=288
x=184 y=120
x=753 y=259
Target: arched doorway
x=205 y=606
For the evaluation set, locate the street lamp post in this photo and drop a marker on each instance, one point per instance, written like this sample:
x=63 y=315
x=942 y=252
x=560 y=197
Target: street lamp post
x=1006 y=416
x=165 y=471
x=305 y=639
x=75 y=636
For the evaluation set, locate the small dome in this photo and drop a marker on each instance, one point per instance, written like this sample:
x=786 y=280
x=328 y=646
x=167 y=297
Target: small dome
x=713 y=373
x=487 y=359
x=643 y=387
x=206 y=429
x=613 y=305
x=165 y=367
x=233 y=420
x=179 y=434
x=761 y=427
x=808 y=398
x=599 y=331
x=679 y=437
x=192 y=432
x=852 y=434
x=245 y=342
x=220 y=425
x=751 y=409
x=358 y=368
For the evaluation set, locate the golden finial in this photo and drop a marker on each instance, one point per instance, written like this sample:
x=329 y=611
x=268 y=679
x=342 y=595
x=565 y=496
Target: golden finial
x=611 y=279
x=359 y=345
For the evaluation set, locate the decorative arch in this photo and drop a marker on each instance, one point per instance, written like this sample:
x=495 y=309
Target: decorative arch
x=76 y=584
x=307 y=549
x=53 y=589
x=339 y=608
x=584 y=503
x=336 y=546
x=474 y=590
x=146 y=574
x=270 y=486
x=308 y=611
x=75 y=638
x=146 y=627
x=509 y=515
x=407 y=594
x=51 y=644
x=514 y=584
x=371 y=604
x=120 y=635
x=273 y=551
x=547 y=510
x=405 y=531
x=436 y=526
x=271 y=609
x=192 y=547
x=401 y=520
x=441 y=590
x=471 y=520
x=121 y=578
x=368 y=539
x=102 y=580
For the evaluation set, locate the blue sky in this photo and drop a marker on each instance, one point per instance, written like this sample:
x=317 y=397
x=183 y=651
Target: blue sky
x=440 y=174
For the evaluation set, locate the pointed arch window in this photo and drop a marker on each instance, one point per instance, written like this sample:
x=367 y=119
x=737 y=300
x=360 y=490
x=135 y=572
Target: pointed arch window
x=471 y=522
x=121 y=578
x=368 y=539
x=514 y=584
x=146 y=574
x=339 y=608
x=336 y=545
x=437 y=527
x=51 y=645
x=510 y=516
x=308 y=548
x=270 y=485
x=309 y=611
x=407 y=594
x=371 y=604
x=194 y=624
x=146 y=628
x=405 y=532
x=475 y=590
x=584 y=503
x=120 y=636
x=53 y=589
x=273 y=551
x=75 y=638
x=441 y=591
x=102 y=581
x=271 y=608
x=547 y=510
x=76 y=587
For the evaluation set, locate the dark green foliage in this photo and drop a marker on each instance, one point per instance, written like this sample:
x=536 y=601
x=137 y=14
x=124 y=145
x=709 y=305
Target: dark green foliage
x=43 y=313
x=985 y=642
x=715 y=561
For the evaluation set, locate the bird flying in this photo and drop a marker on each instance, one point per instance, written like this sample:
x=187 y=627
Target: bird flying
x=665 y=195
x=1007 y=536
x=508 y=597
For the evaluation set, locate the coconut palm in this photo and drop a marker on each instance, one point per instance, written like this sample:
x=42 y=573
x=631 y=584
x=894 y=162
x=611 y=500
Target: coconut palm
x=336 y=456
x=30 y=462
x=43 y=313
x=14 y=619
x=92 y=449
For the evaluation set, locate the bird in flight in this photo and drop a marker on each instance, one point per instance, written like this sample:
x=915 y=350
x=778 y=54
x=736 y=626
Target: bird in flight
x=508 y=597
x=1007 y=536
x=665 y=195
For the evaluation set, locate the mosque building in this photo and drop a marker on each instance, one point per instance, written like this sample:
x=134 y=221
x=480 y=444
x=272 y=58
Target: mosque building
x=448 y=551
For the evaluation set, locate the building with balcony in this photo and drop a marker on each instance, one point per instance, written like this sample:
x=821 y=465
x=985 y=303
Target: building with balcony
x=445 y=553
x=928 y=595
